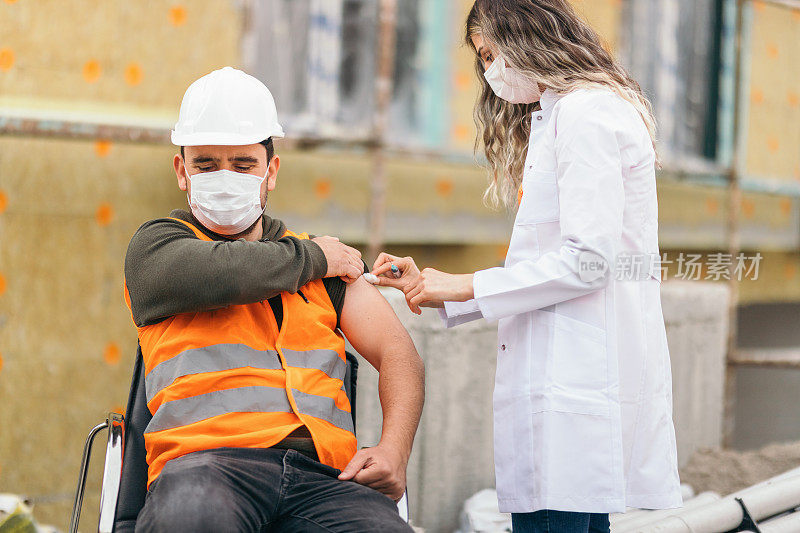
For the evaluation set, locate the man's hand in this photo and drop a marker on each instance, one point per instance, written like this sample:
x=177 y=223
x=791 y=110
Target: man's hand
x=343 y=261
x=381 y=468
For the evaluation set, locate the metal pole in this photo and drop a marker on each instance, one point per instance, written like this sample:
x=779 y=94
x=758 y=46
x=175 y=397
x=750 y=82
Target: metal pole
x=734 y=237
x=87 y=453
x=383 y=96
x=73 y=129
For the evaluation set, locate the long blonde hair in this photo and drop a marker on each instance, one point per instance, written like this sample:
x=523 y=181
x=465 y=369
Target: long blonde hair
x=547 y=42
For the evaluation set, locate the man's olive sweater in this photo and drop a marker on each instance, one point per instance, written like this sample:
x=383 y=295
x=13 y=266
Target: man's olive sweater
x=169 y=271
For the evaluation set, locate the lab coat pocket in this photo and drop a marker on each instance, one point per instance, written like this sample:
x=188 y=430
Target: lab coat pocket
x=539 y=198
x=580 y=367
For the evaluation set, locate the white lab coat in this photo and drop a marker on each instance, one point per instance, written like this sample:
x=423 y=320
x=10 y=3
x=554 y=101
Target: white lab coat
x=583 y=394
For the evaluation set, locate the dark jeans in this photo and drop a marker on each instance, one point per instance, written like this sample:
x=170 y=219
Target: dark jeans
x=261 y=490
x=559 y=522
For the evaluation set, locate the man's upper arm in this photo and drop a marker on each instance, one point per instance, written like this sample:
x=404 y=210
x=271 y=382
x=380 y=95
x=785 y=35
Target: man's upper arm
x=168 y=270
x=370 y=323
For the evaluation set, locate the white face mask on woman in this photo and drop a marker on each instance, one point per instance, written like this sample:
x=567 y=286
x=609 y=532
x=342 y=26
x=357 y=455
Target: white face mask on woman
x=226 y=202
x=509 y=84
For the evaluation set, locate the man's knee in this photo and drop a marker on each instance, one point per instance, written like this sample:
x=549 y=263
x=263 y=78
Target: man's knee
x=363 y=509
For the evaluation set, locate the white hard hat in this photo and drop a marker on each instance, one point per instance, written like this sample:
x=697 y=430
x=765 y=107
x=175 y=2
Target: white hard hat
x=226 y=107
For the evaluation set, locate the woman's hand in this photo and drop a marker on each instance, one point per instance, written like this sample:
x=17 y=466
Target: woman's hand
x=429 y=288
x=432 y=288
x=382 y=268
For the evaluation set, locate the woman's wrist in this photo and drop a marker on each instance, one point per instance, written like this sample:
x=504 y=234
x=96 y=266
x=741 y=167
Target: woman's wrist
x=466 y=289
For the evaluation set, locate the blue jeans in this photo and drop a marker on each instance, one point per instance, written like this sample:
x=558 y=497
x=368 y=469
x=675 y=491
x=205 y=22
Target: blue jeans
x=547 y=521
x=261 y=491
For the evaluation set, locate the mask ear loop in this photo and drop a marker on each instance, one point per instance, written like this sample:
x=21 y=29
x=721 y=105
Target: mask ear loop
x=188 y=179
x=264 y=209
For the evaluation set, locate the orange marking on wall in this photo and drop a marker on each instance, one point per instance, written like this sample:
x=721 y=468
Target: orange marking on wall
x=322 y=188
x=104 y=214
x=786 y=206
x=133 y=74
x=772 y=50
x=102 y=147
x=789 y=271
x=111 y=355
x=91 y=71
x=712 y=206
x=796 y=14
x=177 y=15
x=757 y=96
x=501 y=251
x=462 y=81
x=6 y=59
x=2 y=284
x=748 y=208
x=759 y=5
x=773 y=144
x=1 y=361
x=3 y=201
x=793 y=98
x=444 y=187
x=460 y=132
x=11 y=1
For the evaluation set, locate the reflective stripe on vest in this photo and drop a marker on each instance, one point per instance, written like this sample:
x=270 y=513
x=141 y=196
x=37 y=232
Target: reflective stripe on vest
x=187 y=411
x=219 y=357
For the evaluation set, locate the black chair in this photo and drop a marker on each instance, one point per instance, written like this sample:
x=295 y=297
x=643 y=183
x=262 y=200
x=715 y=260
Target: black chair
x=125 y=472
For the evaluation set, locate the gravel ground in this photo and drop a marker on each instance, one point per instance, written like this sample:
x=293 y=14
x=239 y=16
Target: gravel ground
x=727 y=471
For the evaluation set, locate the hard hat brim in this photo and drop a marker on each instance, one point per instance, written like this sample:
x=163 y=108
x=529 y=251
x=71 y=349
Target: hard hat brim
x=220 y=139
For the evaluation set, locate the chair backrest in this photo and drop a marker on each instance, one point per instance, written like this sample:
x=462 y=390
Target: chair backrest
x=133 y=479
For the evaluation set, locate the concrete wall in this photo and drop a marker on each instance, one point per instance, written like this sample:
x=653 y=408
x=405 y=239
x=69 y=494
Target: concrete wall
x=766 y=407
x=766 y=398
x=452 y=457
x=696 y=316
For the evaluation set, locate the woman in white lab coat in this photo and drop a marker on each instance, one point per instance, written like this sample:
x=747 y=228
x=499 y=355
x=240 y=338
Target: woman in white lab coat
x=582 y=401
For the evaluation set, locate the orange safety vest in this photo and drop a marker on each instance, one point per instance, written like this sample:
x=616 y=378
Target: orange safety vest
x=230 y=378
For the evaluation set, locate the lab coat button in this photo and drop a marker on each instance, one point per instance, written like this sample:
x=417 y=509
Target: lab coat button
x=539 y=117
x=503 y=347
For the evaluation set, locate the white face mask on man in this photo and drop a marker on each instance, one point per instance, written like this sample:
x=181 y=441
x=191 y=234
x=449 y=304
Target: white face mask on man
x=509 y=84
x=225 y=201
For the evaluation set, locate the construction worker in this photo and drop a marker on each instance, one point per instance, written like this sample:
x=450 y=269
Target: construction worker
x=243 y=350
x=583 y=397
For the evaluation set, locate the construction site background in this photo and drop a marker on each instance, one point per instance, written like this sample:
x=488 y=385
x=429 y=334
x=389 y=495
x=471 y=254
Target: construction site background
x=88 y=92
